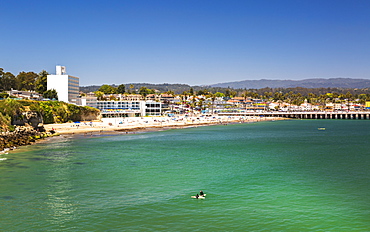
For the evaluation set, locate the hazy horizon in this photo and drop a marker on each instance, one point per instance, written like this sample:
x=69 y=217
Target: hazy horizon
x=116 y=84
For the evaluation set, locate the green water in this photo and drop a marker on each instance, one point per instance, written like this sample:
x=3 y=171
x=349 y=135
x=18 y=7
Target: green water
x=268 y=176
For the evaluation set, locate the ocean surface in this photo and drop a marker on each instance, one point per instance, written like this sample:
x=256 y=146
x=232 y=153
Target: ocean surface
x=266 y=176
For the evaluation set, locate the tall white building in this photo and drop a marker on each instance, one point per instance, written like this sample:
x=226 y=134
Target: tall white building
x=66 y=86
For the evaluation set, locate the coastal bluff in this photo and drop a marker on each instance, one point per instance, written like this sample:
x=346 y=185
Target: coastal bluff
x=22 y=135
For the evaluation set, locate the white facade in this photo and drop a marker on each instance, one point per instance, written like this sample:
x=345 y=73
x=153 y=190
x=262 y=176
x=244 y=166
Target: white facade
x=153 y=108
x=116 y=109
x=111 y=109
x=87 y=101
x=66 y=86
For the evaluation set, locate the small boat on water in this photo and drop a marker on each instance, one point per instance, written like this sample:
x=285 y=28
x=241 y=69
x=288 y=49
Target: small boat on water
x=321 y=128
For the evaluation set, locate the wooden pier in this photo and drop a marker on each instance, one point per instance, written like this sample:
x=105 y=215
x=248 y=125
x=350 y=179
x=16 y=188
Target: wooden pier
x=306 y=115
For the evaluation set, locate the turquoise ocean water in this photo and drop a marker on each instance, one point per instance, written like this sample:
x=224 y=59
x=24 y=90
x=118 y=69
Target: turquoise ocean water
x=267 y=176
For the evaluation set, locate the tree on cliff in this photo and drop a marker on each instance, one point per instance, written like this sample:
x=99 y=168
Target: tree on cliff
x=7 y=80
x=51 y=94
x=26 y=81
x=1 y=78
x=41 y=82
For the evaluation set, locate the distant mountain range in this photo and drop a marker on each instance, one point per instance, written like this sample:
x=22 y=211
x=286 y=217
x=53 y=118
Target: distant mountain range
x=341 y=83
x=306 y=83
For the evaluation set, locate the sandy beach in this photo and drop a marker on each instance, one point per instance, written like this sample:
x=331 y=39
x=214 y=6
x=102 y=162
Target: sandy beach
x=132 y=124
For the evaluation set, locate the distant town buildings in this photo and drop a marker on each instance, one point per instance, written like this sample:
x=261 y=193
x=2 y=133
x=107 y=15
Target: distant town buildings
x=157 y=104
x=66 y=86
x=30 y=95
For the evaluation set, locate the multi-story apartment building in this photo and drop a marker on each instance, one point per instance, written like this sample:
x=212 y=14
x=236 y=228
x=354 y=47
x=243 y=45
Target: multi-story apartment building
x=117 y=109
x=153 y=108
x=87 y=101
x=66 y=86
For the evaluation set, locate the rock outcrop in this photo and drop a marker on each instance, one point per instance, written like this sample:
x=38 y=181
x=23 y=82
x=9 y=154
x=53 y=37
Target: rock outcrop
x=31 y=118
x=21 y=136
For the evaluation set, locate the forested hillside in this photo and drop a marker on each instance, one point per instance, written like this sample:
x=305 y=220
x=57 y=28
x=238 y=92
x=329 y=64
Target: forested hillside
x=199 y=90
x=134 y=87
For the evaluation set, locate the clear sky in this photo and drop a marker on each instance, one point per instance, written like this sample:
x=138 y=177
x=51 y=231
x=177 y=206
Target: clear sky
x=194 y=42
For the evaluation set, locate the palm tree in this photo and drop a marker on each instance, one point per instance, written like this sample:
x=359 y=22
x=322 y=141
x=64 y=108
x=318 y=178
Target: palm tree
x=132 y=88
x=193 y=103
x=213 y=98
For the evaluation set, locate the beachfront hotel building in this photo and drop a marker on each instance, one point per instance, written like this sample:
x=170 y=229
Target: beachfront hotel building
x=120 y=109
x=87 y=101
x=66 y=86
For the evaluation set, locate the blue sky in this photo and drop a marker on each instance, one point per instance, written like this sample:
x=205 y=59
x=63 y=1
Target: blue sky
x=194 y=42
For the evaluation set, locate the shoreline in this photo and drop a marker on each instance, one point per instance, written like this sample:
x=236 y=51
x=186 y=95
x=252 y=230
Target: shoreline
x=138 y=124
x=132 y=125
